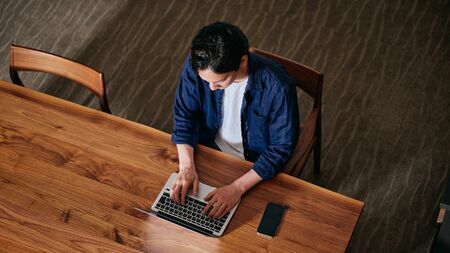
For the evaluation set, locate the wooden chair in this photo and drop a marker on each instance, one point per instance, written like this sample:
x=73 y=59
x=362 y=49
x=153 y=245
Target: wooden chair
x=310 y=81
x=27 y=59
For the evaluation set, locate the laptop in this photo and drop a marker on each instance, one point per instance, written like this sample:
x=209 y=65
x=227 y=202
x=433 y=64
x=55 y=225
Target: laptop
x=190 y=215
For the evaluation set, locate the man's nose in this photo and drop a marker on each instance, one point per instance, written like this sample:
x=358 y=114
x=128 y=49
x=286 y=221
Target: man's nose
x=212 y=86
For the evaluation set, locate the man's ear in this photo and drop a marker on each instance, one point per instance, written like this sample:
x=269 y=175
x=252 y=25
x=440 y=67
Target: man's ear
x=244 y=60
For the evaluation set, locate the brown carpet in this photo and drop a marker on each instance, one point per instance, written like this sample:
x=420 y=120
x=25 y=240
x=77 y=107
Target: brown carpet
x=386 y=117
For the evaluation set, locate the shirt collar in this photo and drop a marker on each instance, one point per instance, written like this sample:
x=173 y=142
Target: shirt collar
x=253 y=76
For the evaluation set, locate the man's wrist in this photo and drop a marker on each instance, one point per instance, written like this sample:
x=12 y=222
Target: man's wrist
x=185 y=157
x=239 y=187
x=186 y=167
x=247 y=181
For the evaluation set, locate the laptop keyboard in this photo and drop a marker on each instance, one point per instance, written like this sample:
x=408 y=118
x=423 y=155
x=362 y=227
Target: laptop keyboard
x=191 y=212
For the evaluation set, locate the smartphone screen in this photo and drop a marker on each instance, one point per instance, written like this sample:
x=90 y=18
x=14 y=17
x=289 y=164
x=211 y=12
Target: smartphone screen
x=271 y=219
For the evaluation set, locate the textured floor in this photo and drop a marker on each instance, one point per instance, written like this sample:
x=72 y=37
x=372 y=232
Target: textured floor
x=386 y=103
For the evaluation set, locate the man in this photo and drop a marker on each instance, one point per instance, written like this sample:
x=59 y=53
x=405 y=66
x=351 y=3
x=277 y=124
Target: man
x=235 y=101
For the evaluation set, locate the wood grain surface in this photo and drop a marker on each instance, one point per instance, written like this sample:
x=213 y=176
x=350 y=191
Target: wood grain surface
x=70 y=177
x=385 y=116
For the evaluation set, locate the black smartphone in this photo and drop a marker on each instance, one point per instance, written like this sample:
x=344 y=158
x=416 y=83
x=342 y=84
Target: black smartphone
x=271 y=219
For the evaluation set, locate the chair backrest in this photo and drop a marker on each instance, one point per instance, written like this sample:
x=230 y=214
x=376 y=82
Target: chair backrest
x=28 y=59
x=310 y=81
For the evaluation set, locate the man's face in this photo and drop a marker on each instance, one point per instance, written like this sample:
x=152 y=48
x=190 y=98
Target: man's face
x=218 y=81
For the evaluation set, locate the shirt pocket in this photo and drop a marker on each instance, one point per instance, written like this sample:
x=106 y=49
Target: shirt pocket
x=258 y=131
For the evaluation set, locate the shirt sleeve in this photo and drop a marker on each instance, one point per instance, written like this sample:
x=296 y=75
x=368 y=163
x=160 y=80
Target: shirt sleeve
x=186 y=107
x=284 y=127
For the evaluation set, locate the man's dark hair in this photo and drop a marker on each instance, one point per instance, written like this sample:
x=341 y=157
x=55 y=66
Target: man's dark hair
x=219 y=47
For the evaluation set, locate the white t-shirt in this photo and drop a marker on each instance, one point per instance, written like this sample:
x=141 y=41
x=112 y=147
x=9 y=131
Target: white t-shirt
x=229 y=136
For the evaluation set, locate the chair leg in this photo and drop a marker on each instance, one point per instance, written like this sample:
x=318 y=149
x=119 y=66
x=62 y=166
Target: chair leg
x=317 y=154
x=318 y=145
x=15 y=77
x=104 y=104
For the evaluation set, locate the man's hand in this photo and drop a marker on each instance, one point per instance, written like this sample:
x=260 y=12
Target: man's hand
x=186 y=177
x=222 y=200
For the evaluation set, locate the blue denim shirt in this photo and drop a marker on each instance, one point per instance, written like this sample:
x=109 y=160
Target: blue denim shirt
x=269 y=114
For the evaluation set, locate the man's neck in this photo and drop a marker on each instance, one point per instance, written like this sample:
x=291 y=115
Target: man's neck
x=242 y=75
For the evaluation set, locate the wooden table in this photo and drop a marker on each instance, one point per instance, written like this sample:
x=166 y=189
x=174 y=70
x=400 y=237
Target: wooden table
x=70 y=177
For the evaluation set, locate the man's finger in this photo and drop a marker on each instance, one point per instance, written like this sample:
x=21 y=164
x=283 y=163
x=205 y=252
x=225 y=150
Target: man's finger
x=225 y=212
x=176 y=194
x=195 y=186
x=210 y=195
x=183 y=193
x=209 y=206
x=213 y=211
x=221 y=211
x=172 y=190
